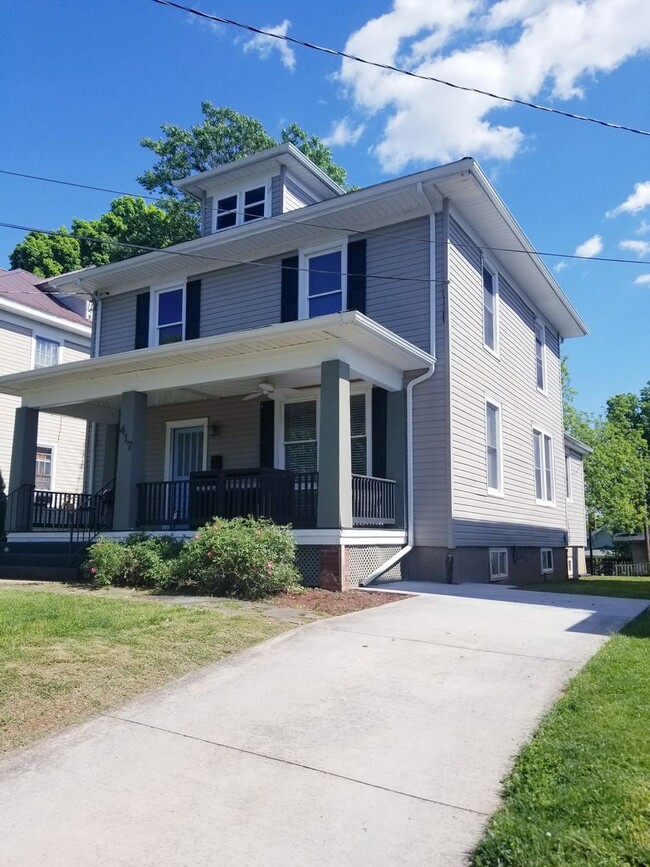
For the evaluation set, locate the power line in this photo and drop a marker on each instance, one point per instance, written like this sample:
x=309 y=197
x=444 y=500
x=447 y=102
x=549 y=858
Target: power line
x=388 y=67
x=289 y=219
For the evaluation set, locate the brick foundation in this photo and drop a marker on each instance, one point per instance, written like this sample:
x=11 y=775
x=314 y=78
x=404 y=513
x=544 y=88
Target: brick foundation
x=333 y=567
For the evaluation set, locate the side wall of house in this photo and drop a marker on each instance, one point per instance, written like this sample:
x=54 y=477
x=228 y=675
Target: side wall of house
x=575 y=507
x=509 y=379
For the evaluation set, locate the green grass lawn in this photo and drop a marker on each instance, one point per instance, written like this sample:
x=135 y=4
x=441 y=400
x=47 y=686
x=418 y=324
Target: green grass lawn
x=66 y=657
x=598 y=585
x=579 y=793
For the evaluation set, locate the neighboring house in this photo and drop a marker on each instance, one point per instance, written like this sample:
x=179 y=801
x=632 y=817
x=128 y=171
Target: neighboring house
x=380 y=368
x=638 y=545
x=37 y=330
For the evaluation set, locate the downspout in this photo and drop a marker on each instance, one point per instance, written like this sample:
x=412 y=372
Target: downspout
x=94 y=352
x=410 y=499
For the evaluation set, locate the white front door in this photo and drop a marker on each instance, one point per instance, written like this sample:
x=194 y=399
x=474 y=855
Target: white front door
x=187 y=452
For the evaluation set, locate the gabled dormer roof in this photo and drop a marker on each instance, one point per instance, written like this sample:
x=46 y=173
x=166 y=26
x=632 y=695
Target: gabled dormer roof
x=285 y=157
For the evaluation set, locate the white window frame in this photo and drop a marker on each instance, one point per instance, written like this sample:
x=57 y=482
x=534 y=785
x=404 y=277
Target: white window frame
x=546 y=570
x=303 y=274
x=153 y=318
x=568 y=458
x=52 y=448
x=49 y=339
x=170 y=427
x=569 y=563
x=240 y=192
x=314 y=394
x=537 y=429
x=489 y=267
x=498 y=576
x=543 y=389
x=499 y=490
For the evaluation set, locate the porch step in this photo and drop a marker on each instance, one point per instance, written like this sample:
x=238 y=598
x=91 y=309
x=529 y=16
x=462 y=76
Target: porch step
x=39 y=573
x=41 y=561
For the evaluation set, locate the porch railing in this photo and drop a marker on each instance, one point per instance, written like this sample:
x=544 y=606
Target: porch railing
x=283 y=496
x=93 y=514
x=373 y=501
x=29 y=509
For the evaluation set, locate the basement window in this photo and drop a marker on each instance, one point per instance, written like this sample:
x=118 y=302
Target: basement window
x=498 y=563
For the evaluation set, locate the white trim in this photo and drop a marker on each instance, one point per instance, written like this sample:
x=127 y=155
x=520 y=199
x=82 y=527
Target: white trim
x=53 y=448
x=498 y=576
x=45 y=318
x=239 y=190
x=41 y=336
x=495 y=404
x=548 y=569
x=155 y=293
x=544 y=432
x=170 y=427
x=568 y=460
x=308 y=253
x=544 y=387
x=487 y=265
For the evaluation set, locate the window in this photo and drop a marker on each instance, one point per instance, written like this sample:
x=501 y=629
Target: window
x=43 y=480
x=300 y=436
x=493 y=448
x=46 y=352
x=540 y=357
x=569 y=564
x=498 y=563
x=170 y=316
x=490 y=292
x=325 y=284
x=547 y=560
x=240 y=207
x=359 y=438
x=543 y=458
x=567 y=461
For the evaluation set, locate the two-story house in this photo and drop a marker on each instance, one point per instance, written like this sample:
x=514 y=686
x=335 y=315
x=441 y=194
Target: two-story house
x=379 y=368
x=39 y=330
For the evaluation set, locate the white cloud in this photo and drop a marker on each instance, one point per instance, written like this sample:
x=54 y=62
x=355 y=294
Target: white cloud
x=635 y=202
x=591 y=247
x=643 y=228
x=642 y=280
x=343 y=134
x=641 y=248
x=265 y=45
x=561 y=265
x=528 y=49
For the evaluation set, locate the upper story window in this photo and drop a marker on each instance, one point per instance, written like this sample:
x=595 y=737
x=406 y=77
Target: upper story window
x=43 y=477
x=543 y=456
x=240 y=207
x=490 y=309
x=540 y=355
x=493 y=448
x=46 y=352
x=170 y=316
x=569 y=488
x=324 y=285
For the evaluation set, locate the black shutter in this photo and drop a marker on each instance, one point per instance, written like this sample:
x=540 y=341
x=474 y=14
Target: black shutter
x=193 y=310
x=142 y=320
x=379 y=420
x=357 y=276
x=289 y=309
x=267 y=432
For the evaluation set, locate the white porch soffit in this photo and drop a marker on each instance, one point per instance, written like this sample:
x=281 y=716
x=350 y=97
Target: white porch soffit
x=372 y=351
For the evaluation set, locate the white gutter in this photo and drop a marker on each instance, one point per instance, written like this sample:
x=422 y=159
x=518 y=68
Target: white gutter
x=410 y=523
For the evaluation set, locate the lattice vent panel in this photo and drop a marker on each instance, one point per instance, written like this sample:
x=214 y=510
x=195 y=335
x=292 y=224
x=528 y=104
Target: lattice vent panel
x=307 y=564
x=364 y=559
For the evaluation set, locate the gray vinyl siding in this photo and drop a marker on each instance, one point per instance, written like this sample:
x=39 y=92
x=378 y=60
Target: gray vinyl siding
x=476 y=374
x=575 y=507
x=276 y=196
x=206 y=216
x=238 y=440
x=118 y=323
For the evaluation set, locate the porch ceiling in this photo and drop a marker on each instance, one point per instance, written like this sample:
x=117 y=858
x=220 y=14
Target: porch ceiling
x=230 y=364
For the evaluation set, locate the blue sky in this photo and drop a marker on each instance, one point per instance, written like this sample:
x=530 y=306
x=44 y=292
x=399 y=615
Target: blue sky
x=83 y=82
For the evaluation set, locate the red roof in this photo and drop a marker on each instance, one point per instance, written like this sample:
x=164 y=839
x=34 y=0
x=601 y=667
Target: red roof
x=28 y=289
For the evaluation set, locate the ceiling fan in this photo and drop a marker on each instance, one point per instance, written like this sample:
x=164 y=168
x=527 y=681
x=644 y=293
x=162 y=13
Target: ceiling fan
x=267 y=391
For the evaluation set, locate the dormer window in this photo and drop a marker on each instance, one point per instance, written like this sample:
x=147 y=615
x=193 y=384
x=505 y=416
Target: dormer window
x=240 y=207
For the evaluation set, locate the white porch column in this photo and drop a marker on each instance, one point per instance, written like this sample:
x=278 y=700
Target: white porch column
x=334 y=447
x=130 y=459
x=23 y=468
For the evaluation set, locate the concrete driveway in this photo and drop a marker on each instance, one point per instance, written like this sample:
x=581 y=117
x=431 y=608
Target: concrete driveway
x=376 y=738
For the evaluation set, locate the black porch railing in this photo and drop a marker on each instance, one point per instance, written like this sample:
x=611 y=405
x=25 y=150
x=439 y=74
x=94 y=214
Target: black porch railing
x=281 y=495
x=29 y=509
x=373 y=501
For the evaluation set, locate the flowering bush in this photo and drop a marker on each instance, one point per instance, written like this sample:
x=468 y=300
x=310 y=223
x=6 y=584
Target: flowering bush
x=246 y=558
x=140 y=561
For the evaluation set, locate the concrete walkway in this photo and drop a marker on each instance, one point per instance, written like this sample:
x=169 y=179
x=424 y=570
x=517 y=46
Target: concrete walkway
x=376 y=738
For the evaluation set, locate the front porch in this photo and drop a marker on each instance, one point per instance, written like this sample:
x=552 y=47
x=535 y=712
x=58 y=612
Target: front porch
x=303 y=423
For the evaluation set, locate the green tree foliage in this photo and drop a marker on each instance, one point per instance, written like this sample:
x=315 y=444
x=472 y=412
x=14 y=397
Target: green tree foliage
x=47 y=255
x=223 y=136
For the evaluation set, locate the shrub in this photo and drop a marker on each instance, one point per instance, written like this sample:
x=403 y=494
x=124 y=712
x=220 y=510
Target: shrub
x=140 y=561
x=105 y=563
x=246 y=558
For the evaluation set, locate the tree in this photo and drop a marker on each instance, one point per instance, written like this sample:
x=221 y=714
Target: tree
x=224 y=135
x=130 y=220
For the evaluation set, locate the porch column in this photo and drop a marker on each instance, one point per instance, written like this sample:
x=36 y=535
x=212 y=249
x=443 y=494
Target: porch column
x=334 y=447
x=396 y=449
x=23 y=468
x=130 y=459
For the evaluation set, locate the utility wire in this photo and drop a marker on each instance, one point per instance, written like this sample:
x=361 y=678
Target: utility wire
x=388 y=67
x=73 y=184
